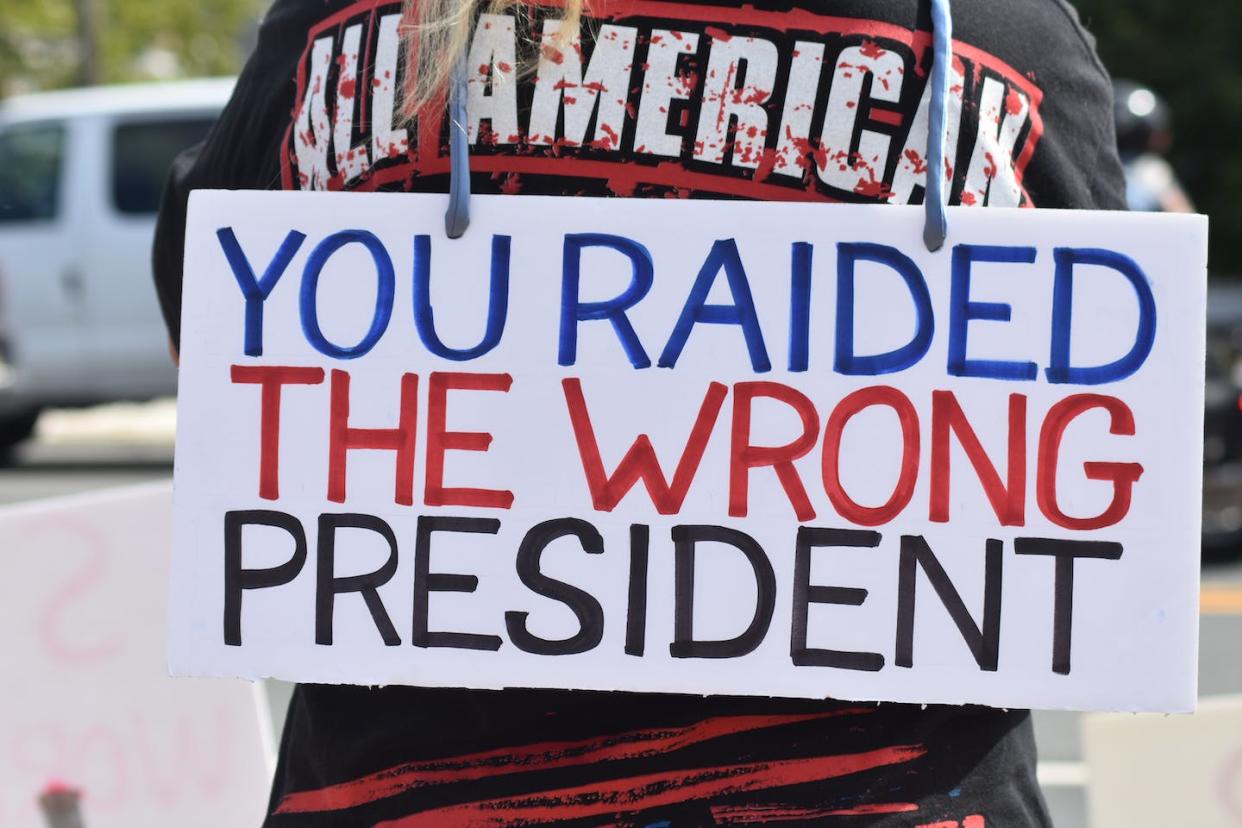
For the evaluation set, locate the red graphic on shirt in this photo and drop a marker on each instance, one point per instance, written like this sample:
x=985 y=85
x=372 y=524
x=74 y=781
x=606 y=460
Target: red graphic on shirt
x=623 y=796
x=604 y=799
x=639 y=744
x=973 y=821
x=665 y=100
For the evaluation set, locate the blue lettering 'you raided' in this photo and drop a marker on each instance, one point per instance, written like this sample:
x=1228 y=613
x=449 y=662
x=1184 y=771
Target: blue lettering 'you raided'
x=497 y=301
x=898 y=359
x=255 y=292
x=723 y=257
x=574 y=310
x=386 y=285
x=1059 y=369
x=962 y=310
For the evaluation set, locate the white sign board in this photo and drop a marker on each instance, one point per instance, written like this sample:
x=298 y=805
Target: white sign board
x=1153 y=771
x=87 y=697
x=704 y=447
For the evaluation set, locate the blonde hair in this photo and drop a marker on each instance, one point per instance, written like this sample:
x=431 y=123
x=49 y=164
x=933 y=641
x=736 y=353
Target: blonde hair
x=437 y=35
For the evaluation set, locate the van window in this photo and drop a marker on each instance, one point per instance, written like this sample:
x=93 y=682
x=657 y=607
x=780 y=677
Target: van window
x=30 y=165
x=142 y=155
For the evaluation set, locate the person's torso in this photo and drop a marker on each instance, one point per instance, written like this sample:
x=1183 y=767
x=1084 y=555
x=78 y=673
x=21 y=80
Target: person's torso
x=810 y=100
x=449 y=758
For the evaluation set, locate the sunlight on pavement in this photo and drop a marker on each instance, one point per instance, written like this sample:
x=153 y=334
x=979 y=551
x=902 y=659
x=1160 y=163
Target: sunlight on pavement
x=1220 y=600
x=151 y=422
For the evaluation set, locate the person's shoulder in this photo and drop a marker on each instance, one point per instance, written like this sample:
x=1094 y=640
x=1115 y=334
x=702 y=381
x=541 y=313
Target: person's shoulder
x=311 y=8
x=1062 y=16
x=1050 y=29
x=289 y=16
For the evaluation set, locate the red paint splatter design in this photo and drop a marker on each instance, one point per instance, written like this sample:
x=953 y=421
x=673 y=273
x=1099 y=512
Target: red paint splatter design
x=870 y=49
x=772 y=814
x=638 y=744
x=768 y=153
x=1014 y=103
x=650 y=791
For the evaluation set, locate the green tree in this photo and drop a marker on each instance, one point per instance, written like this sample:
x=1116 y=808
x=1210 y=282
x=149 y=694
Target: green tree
x=1188 y=53
x=41 y=45
x=37 y=45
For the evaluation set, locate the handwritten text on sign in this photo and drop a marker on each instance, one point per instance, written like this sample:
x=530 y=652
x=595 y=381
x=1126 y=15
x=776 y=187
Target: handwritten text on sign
x=703 y=447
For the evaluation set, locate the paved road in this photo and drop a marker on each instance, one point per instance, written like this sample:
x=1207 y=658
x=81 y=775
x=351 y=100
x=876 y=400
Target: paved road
x=1220 y=673
x=48 y=471
x=118 y=445
x=80 y=451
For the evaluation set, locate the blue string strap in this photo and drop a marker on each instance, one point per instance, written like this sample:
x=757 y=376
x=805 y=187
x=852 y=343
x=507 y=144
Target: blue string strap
x=936 y=225
x=457 y=219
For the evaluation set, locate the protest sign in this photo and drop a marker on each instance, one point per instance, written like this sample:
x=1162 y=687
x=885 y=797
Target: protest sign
x=1152 y=771
x=707 y=447
x=88 y=703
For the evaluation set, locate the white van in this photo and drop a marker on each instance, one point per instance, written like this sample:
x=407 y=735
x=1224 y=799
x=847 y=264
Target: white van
x=81 y=175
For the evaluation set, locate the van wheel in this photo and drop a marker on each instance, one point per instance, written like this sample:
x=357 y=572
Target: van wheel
x=17 y=428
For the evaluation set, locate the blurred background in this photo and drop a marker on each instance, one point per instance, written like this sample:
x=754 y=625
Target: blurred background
x=75 y=422
x=57 y=43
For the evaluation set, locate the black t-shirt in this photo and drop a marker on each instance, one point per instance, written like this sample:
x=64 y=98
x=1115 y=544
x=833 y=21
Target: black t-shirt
x=768 y=99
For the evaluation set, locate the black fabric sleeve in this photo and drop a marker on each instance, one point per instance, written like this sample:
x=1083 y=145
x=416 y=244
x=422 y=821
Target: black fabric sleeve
x=167 y=260
x=1078 y=163
x=242 y=150
x=1075 y=164
x=1106 y=178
